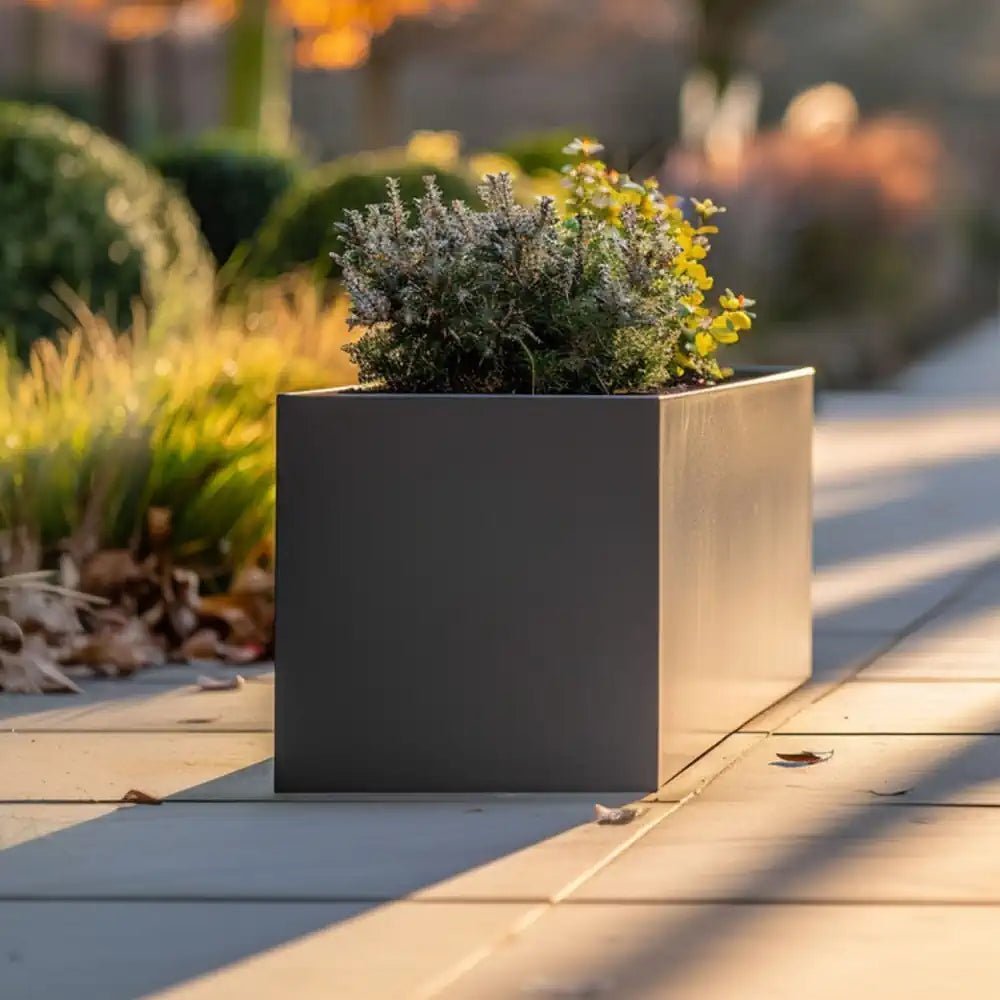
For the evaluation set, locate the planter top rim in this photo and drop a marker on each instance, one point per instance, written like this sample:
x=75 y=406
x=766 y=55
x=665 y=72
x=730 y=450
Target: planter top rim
x=749 y=375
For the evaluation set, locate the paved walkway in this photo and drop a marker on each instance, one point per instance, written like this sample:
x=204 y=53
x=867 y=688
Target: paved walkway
x=873 y=874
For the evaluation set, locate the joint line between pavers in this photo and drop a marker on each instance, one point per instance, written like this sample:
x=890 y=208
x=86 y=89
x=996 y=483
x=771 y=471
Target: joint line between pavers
x=527 y=920
x=159 y=731
x=878 y=732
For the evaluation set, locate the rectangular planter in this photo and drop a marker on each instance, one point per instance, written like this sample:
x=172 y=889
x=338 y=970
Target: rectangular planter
x=536 y=593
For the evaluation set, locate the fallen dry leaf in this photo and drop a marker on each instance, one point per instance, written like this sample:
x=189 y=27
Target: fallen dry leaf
x=139 y=798
x=38 y=611
x=249 y=653
x=11 y=636
x=806 y=757
x=33 y=670
x=109 y=573
x=115 y=651
x=220 y=683
x=607 y=815
x=202 y=645
x=889 y=795
x=228 y=613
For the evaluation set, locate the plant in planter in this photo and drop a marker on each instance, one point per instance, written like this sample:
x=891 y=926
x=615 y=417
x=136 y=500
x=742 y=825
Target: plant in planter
x=609 y=299
x=558 y=547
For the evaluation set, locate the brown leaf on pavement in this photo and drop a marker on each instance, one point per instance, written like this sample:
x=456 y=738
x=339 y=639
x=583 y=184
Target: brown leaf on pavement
x=140 y=798
x=806 y=757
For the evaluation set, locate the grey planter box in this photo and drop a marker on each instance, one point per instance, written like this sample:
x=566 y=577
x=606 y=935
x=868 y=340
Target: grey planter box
x=536 y=593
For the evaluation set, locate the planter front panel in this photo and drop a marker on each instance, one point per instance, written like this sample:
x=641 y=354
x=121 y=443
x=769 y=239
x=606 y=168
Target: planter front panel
x=467 y=593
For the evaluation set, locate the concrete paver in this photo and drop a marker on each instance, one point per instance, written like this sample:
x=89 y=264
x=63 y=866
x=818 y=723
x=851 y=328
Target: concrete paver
x=818 y=851
x=120 y=951
x=301 y=851
x=720 y=952
x=144 y=707
x=23 y=822
x=392 y=951
x=937 y=770
x=894 y=706
x=88 y=766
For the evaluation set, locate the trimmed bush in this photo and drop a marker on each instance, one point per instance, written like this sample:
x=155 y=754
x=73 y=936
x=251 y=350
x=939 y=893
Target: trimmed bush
x=300 y=232
x=230 y=184
x=82 y=216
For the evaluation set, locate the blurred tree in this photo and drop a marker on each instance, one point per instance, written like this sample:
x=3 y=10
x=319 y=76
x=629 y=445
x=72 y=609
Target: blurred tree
x=349 y=33
x=264 y=37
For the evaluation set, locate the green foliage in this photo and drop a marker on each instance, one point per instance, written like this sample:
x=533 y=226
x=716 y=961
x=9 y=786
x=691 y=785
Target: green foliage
x=517 y=299
x=100 y=426
x=539 y=152
x=231 y=184
x=301 y=229
x=81 y=215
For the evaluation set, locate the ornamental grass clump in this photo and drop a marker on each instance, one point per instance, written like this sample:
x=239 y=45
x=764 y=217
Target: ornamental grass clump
x=607 y=296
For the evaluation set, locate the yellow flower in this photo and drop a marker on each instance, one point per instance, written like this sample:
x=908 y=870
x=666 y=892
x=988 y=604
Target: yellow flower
x=733 y=301
x=696 y=272
x=724 y=329
x=707 y=208
x=704 y=343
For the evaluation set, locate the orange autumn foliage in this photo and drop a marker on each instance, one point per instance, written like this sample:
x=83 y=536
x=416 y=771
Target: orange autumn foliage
x=332 y=34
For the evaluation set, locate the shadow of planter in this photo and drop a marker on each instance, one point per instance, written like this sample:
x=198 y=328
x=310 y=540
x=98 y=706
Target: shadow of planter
x=536 y=593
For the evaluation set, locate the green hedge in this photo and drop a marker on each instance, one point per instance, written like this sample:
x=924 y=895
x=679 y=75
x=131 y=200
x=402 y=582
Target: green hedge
x=81 y=214
x=230 y=184
x=300 y=231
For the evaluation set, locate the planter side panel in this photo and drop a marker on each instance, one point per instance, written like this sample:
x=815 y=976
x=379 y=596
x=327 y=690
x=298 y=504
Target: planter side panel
x=736 y=559
x=467 y=594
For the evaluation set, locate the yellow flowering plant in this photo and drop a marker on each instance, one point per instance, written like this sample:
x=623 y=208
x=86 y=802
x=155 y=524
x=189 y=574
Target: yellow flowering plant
x=597 y=191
